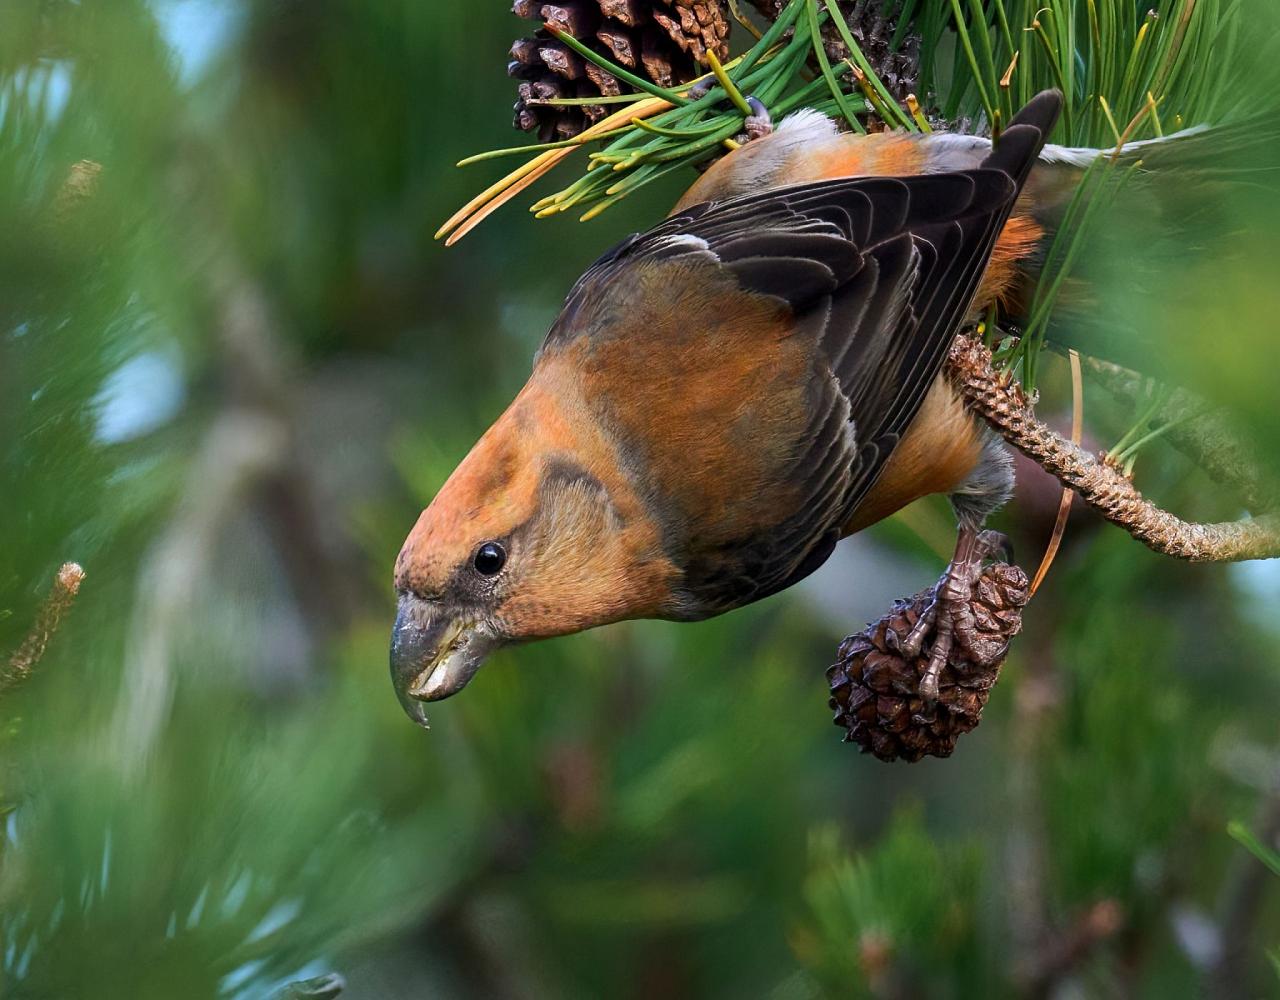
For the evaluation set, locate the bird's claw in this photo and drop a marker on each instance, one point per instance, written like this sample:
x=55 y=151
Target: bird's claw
x=949 y=618
x=702 y=88
x=756 y=125
x=910 y=646
x=759 y=123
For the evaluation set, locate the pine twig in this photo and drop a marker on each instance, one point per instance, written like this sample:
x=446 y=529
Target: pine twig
x=1027 y=854
x=1092 y=928
x=80 y=184
x=1204 y=434
x=1006 y=408
x=61 y=596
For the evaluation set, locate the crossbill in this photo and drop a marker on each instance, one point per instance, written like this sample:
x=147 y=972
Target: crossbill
x=726 y=396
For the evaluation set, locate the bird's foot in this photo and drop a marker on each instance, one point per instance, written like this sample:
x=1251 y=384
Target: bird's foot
x=759 y=123
x=756 y=125
x=949 y=618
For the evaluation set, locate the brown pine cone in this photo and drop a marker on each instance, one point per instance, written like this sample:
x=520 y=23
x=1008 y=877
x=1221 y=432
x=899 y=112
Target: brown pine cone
x=875 y=692
x=665 y=41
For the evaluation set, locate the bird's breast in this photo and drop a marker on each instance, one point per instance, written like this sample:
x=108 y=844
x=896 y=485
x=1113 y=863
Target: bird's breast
x=939 y=450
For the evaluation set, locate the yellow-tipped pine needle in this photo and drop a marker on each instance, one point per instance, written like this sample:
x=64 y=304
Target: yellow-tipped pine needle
x=560 y=196
x=735 y=95
x=744 y=20
x=1115 y=130
x=672 y=133
x=502 y=191
x=1007 y=79
x=1132 y=68
x=913 y=106
x=1155 y=115
x=1127 y=134
x=596 y=209
x=868 y=92
x=494 y=204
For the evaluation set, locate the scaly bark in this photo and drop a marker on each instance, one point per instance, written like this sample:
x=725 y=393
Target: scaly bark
x=23 y=661
x=1006 y=408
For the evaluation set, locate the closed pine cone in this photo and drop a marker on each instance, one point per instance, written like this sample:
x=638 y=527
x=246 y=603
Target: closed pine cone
x=875 y=692
x=665 y=41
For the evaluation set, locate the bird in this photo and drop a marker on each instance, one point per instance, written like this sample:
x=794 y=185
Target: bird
x=725 y=396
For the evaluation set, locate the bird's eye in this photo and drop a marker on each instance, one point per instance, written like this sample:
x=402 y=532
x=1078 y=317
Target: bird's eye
x=490 y=558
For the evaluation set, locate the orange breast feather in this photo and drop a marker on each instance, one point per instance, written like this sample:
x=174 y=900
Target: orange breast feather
x=939 y=450
x=706 y=390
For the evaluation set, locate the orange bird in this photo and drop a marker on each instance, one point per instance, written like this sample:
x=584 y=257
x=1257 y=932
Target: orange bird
x=726 y=396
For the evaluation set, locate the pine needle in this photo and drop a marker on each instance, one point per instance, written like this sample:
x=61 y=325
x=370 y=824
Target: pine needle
x=1068 y=494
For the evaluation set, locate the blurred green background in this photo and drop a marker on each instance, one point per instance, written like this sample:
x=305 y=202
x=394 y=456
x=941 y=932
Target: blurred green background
x=233 y=368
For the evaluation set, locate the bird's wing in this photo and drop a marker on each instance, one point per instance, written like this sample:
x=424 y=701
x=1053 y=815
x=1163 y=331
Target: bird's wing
x=851 y=290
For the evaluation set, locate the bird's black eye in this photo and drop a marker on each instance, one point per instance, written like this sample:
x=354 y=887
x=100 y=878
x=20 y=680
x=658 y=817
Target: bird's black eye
x=490 y=558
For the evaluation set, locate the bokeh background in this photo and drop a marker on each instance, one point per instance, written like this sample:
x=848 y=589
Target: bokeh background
x=234 y=366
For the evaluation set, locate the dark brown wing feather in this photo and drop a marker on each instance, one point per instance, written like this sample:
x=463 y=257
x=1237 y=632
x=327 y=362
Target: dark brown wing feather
x=877 y=274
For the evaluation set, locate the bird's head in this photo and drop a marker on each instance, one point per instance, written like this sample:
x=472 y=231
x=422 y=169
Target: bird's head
x=535 y=534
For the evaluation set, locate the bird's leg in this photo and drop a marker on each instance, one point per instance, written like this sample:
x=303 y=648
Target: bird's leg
x=759 y=123
x=949 y=618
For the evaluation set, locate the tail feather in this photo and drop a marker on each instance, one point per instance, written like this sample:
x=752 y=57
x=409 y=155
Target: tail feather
x=1224 y=149
x=1019 y=145
x=1179 y=198
x=1234 y=152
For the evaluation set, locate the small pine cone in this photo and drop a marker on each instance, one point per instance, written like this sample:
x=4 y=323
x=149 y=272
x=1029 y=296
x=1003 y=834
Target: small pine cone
x=696 y=27
x=876 y=693
x=665 y=41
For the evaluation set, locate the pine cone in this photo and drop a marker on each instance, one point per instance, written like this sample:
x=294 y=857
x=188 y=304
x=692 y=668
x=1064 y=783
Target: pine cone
x=665 y=41
x=873 y=24
x=875 y=692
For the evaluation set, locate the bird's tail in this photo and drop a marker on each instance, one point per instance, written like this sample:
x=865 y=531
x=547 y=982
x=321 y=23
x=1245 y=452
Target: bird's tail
x=1165 y=198
x=1169 y=167
x=1024 y=138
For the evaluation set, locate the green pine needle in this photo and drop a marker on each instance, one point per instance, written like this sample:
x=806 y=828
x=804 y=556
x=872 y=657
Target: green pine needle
x=1240 y=833
x=1116 y=64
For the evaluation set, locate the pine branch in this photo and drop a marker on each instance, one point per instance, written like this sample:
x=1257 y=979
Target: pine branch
x=1068 y=951
x=1006 y=408
x=1036 y=703
x=249 y=456
x=80 y=184
x=23 y=661
x=1205 y=434
x=240 y=449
